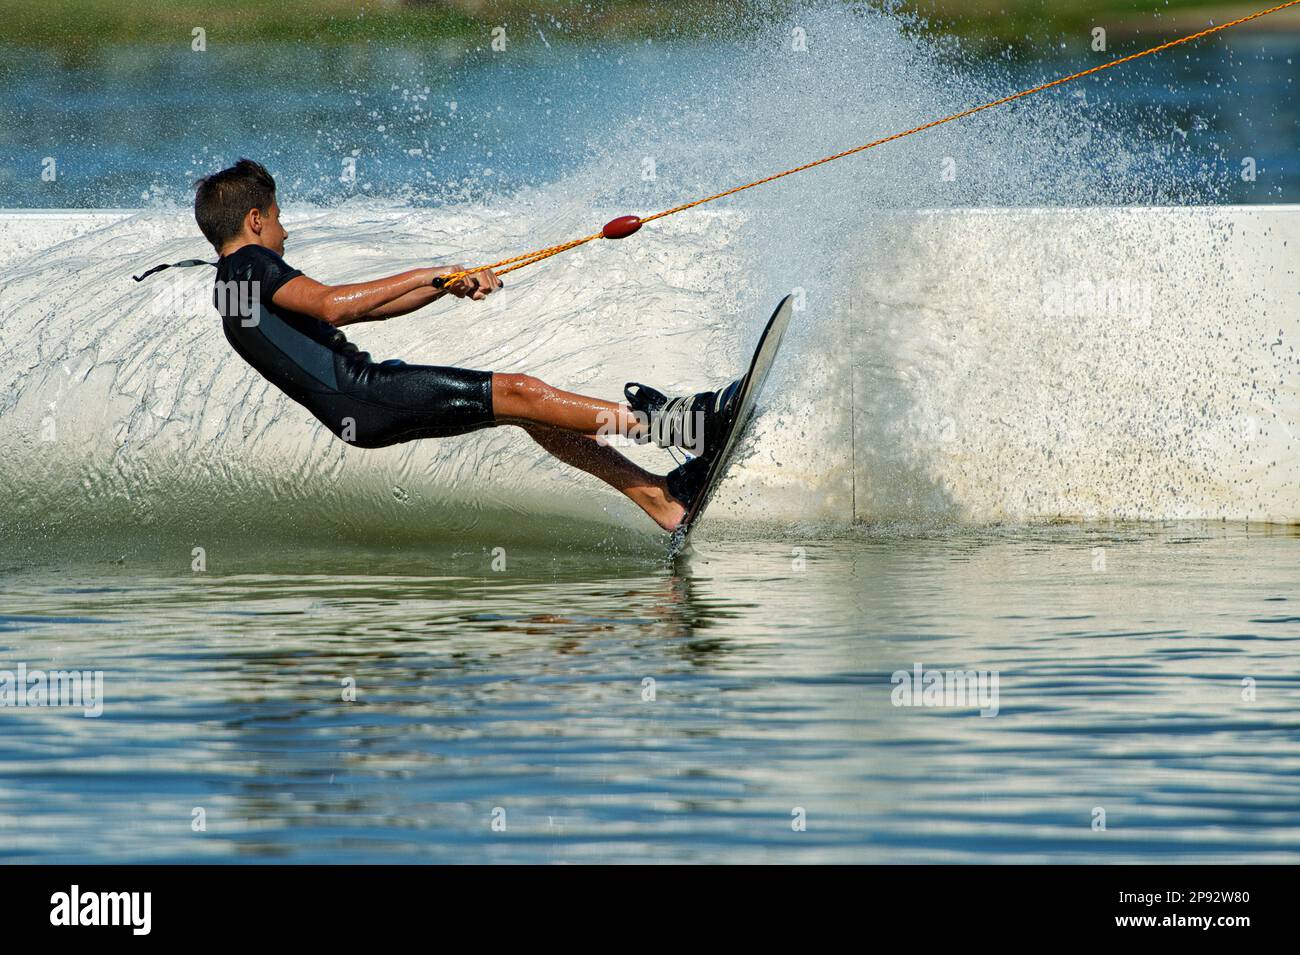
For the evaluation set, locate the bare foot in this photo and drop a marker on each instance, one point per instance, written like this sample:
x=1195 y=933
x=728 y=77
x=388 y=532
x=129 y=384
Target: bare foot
x=664 y=509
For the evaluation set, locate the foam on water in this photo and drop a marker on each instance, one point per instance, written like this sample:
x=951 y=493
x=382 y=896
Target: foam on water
x=121 y=405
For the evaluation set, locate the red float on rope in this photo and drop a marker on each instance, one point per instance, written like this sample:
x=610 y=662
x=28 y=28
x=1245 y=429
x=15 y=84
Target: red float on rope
x=621 y=228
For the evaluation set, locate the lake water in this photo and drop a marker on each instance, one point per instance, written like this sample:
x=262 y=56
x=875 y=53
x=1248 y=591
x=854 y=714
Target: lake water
x=135 y=126
x=519 y=698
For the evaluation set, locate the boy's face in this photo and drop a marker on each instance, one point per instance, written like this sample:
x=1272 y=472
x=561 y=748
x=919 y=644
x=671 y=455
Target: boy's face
x=272 y=234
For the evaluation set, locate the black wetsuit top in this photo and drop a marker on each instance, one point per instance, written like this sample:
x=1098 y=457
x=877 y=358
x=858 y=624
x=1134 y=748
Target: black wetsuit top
x=294 y=352
x=365 y=403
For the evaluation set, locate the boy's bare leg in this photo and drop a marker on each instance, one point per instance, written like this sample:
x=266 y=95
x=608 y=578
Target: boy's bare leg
x=523 y=399
x=584 y=452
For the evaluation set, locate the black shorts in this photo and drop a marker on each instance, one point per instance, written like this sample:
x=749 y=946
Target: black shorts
x=382 y=403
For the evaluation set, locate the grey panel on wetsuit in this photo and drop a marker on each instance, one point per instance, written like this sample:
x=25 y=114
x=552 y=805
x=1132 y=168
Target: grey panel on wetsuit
x=313 y=358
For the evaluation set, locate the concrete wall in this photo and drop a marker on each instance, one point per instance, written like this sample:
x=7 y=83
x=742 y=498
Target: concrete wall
x=971 y=366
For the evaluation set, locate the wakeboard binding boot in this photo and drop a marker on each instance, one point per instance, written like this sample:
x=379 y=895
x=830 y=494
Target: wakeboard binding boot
x=695 y=423
x=686 y=483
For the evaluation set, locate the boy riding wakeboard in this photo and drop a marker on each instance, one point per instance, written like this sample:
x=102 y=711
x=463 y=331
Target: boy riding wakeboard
x=286 y=325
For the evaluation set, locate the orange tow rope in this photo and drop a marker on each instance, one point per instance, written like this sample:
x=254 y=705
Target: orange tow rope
x=624 y=226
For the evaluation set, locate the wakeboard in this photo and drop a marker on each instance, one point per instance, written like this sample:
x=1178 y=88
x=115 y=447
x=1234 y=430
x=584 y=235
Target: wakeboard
x=769 y=343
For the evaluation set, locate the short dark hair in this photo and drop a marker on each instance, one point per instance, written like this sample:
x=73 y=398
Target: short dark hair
x=224 y=198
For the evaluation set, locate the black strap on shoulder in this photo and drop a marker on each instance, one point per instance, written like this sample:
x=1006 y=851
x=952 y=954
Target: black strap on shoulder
x=174 y=265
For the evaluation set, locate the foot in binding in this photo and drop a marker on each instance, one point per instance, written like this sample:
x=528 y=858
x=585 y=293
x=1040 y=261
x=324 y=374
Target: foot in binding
x=685 y=484
x=695 y=423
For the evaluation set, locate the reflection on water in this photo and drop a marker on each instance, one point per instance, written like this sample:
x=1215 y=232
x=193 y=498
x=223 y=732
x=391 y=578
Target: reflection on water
x=1152 y=673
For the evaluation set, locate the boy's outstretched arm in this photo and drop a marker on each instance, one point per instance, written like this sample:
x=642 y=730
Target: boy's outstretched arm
x=381 y=298
x=477 y=287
